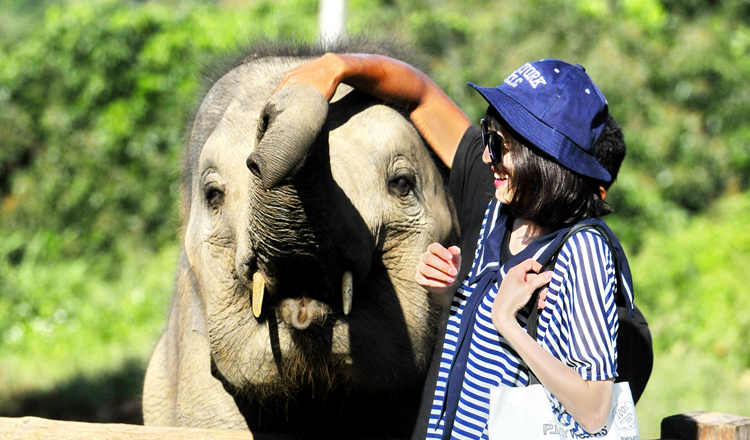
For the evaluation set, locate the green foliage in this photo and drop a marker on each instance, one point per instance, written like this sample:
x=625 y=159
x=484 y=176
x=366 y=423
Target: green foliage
x=84 y=84
x=62 y=317
x=692 y=282
x=686 y=379
x=695 y=280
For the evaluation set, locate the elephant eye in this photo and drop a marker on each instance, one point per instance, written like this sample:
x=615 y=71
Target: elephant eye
x=214 y=196
x=400 y=185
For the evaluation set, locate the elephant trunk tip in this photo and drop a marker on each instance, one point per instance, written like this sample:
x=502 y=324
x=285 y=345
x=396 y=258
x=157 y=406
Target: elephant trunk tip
x=258 y=168
x=254 y=163
x=287 y=130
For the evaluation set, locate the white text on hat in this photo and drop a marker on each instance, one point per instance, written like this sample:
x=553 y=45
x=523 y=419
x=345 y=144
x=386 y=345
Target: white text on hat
x=526 y=71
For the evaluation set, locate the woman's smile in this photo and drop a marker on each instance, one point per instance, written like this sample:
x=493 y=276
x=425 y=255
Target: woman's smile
x=501 y=179
x=501 y=173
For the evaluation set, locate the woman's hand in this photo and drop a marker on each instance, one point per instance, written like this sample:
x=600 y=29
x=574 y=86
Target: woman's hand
x=437 y=270
x=587 y=401
x=324 y=73
x=515 y=291
x=440 y=122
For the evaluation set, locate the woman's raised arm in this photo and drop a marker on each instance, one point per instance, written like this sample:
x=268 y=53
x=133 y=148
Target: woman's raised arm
x=440 y=122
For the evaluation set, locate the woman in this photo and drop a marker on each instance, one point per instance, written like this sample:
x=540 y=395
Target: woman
x=537 y=141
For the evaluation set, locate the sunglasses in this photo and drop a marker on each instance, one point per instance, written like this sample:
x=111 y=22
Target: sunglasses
x=493 y=142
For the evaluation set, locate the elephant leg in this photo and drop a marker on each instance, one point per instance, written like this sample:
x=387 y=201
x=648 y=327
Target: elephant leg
x=179 y=389
x=202 y=400
x=191 y=398
x=159 y=388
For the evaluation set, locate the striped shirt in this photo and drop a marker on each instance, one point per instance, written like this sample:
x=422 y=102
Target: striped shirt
x=578 y=326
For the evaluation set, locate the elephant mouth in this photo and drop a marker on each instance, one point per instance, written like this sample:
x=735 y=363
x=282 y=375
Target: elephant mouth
x=302 y=298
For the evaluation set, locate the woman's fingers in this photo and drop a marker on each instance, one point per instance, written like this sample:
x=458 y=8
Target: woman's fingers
x=515 y=290
x=320 y=73
x=535 y=281
x=436 y=270
x=430 y=271
x=528 y=265
x=520 y=283
x=438 y=250
x=431 y=283
x=441 y=258
x=456 y=252
x=542 y=302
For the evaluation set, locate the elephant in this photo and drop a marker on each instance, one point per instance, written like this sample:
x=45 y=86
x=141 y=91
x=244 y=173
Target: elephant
x=295 y=307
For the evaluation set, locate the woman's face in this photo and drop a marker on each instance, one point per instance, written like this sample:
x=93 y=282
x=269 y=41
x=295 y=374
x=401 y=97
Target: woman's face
x=501 y=171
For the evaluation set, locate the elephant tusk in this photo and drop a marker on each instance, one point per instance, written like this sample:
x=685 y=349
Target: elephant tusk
x=259 y=290
x=347 y=291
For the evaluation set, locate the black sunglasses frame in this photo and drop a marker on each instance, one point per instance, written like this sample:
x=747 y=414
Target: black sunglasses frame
x=493 y=142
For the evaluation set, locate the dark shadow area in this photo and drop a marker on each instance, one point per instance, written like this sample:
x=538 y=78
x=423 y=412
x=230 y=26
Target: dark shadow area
x=113 y=397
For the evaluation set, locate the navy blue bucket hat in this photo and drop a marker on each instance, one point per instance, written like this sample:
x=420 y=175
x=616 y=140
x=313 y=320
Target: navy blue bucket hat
x=557 y=108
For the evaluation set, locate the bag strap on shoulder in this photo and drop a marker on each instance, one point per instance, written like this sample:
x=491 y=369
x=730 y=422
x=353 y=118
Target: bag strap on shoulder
x=533 y=320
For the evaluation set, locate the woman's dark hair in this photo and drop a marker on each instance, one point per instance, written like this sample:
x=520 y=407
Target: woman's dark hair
x=544 y=191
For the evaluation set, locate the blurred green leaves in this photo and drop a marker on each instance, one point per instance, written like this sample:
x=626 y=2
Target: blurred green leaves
x=694 y=281
x=692 y=284
x=106 y=110
x=62 y=317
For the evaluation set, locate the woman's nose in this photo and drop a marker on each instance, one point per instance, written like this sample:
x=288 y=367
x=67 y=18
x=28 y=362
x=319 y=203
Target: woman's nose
x=486 y=156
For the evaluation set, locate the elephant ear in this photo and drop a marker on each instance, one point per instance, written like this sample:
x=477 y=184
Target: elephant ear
x=289 y=124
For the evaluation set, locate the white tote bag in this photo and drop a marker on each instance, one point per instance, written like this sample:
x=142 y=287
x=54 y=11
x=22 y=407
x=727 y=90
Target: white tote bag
x=525 y=413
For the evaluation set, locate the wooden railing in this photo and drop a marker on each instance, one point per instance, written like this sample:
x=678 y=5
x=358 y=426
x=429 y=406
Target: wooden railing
x=35 y=428
x=700 y=425
x=705 y=425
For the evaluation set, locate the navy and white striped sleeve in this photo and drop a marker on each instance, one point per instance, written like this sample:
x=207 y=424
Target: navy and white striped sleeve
x=588 y=284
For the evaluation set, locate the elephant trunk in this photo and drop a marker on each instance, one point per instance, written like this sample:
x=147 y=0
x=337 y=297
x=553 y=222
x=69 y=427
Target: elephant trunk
x=289 y=124
x=300 y=256
x=292 y=179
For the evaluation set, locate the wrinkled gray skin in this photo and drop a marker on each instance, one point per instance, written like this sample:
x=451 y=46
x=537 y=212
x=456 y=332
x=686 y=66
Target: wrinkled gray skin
x=300 y=191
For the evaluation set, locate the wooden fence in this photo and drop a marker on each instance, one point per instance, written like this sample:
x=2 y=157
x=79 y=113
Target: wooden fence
x=705 y=425
x=700 y=425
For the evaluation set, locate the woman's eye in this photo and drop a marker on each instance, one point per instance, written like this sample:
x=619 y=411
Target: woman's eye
x=401 y=186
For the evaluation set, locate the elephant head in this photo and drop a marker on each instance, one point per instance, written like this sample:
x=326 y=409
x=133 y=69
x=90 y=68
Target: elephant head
x=304 y=224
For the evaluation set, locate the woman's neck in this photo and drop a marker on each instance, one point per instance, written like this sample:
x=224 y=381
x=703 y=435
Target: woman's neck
x=523 y=234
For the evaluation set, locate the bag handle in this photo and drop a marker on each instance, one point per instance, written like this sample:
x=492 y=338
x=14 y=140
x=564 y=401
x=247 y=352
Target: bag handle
x=533 y=321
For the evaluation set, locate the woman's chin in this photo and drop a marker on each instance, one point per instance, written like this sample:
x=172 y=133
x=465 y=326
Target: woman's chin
x=501 y=197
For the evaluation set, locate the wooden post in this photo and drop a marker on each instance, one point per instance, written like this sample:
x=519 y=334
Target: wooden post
x=34 y=428
x=705 y=425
